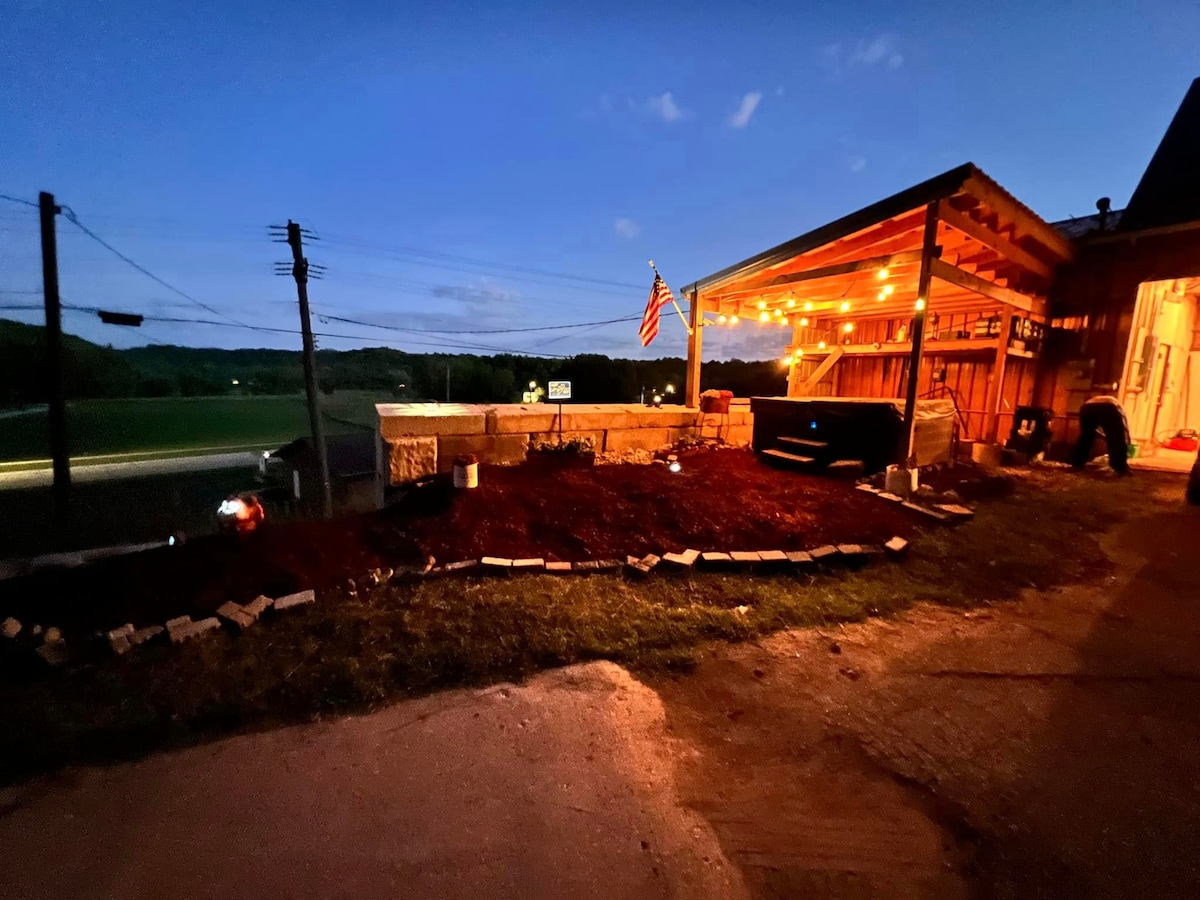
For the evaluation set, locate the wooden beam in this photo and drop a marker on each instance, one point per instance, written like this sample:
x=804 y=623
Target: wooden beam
x=904 y=348
x=957 y=276
x=992 y=196
x=929 y=252
x=819 y=372
x=845 y=268
x=995 y=388
x=691 y=390
x=994 y=241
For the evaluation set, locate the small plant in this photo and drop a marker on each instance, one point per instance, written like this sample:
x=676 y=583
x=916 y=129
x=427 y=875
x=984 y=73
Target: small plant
x=466 y=459
x=573 y=446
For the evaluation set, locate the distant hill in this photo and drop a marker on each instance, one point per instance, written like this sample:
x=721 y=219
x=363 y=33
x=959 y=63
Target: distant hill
x=162 y=371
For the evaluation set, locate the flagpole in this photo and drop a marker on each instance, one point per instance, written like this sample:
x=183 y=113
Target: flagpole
x=674 y=303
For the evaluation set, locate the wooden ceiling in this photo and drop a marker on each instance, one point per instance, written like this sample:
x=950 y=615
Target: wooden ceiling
x=993 y=250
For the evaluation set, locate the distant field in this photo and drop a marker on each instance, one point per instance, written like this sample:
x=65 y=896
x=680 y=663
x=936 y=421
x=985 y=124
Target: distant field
x=180 y=424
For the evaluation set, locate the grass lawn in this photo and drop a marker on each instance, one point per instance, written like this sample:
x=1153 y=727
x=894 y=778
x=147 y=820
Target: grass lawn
x=193 y=424
x=354 y=653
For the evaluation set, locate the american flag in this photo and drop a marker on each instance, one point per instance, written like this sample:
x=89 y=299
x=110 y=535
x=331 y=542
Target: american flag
x=660 y=296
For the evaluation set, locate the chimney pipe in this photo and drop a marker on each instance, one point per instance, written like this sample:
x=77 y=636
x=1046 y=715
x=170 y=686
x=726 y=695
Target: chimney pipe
x=1104 y=204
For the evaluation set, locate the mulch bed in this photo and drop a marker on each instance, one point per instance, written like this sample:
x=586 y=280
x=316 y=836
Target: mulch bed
x=722 y=500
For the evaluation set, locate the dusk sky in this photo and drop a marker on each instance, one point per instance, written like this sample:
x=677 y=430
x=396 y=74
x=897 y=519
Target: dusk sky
x=437 y=147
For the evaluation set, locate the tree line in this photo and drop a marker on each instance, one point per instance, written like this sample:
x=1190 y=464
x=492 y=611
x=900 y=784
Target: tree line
x=93 y=371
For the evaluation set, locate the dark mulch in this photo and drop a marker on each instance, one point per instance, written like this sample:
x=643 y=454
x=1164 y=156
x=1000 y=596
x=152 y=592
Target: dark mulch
x=721 y=500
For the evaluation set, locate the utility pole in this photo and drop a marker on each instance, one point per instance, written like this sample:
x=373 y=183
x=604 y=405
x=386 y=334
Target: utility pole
x=447 y=382
x=300 y=273
x=59 y=451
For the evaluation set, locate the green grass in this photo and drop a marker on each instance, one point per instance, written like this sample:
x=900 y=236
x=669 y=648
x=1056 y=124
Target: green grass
x=181 y=424
x=354 y=653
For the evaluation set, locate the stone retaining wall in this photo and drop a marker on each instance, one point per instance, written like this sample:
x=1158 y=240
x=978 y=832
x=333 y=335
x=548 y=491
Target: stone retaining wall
x=420 y=439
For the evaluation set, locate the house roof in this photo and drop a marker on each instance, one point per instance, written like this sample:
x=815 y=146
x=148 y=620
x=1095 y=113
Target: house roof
x=350 y=455
x=966 y=180
x=1169 y=192
x=1082 y=226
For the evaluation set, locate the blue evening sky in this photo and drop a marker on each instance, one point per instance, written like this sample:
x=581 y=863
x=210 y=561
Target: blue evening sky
x=437 y=146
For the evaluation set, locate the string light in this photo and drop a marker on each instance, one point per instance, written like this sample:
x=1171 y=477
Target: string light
x=808 y=306
x=762 y=304
x=881 y=296
x=763 y=317
x=845 y=306
x=783 y=321
x=804 y=321
x=778 y=313
x=733 y=320
x=820 y=345
x=791 y=303
x=799 y=353
x=920 y=305
x=721 y=319
x=882 y=274
x=787 y=360
x=848 y=327
x=888 y=289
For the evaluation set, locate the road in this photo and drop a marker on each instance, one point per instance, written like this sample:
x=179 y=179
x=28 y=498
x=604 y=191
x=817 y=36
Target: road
x=1048 y=746
x=125 y=465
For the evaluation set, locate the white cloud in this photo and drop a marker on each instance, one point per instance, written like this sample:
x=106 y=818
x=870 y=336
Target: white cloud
x=858 y=163
x=879 y=50
x=664 y=107
x=626 y=228
x=745 y=110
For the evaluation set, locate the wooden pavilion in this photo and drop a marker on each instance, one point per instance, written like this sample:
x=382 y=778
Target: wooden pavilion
x=947 y=279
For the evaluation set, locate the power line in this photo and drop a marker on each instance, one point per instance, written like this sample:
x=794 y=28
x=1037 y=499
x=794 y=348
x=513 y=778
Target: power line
x=18 y=200
x=69 y=214
x=478 y=330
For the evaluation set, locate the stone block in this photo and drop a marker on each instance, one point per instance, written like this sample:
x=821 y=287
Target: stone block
x=258 y=606
x=587 y=566
x=608 y=565
x=896 y=546
x=422 y=419
x=558 y=568
x=619 y=440
x=684 y=560
x=799 y=558
x=410 y=459
x=178 y=621
x=715 y=558
x=463 y=567
x=54 y=653
x=52 y=635
x=552 y=437
x=194 y=629
x=10 y=628
x=235 y=616
x=496 y=449
x=529 y=565
x=124 y=631
x=852 y=552
x=145 y=634
x=302 y=598
x=891 y=498
x=955 y=509
x=228 y=608
x=772 y=556
x=119 y=644
x=496 y=565
x=745 y=557
x=824 y=554
x=934 y=514
x=869 y=488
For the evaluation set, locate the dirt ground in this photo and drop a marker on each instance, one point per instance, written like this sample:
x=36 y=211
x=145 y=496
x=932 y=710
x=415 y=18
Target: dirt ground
x=720 y=500
x=1048 y=746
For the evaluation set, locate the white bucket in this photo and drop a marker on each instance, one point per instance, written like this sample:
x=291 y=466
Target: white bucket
x=466 y=476
x=900 y=481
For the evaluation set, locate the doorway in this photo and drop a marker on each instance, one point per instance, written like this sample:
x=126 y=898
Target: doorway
x=1160 y=387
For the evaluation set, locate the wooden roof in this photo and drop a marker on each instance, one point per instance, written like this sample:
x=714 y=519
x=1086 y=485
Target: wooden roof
x=993 y=249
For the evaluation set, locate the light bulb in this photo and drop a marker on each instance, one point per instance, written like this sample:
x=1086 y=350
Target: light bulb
x=763 y=317
x=783 y=321
x=882 y=274
x=787 y=360
x=778 y=313
x=804 y=321
x=881 y=296
x=845 y=306
x=848 y=327
x=733 y=320
x=888 y=289
x=808 y=306
x=920 y=305
x=791 y=303
x=820 y=345
x=799 y=353
x=721 y=319
x=762 y=304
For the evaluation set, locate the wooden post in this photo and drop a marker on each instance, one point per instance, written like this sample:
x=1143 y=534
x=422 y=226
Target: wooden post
x=995 y=389
x=794 y=379
x=929 y=252
x=59 y=452
x=691 y=392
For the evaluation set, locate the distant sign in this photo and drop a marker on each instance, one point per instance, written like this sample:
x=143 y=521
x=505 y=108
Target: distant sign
x=560 y=390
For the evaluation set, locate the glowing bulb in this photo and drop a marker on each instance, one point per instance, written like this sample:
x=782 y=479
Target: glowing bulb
x=888 y=289
x=763 y=317
x=783 y=321
x=882 y=274
x=533 y=385
x=762 y=304
x=881 y=296
x=804 y=321
x=733 y=320
x=787 y=360
x=674 y=467
x=820 y=345
x=721 y=319
x=808 y=306
x=848 y=327
x=791 y=303
x=845 y=306
x=799 y=353
x=778 y=313
x=920 y=305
